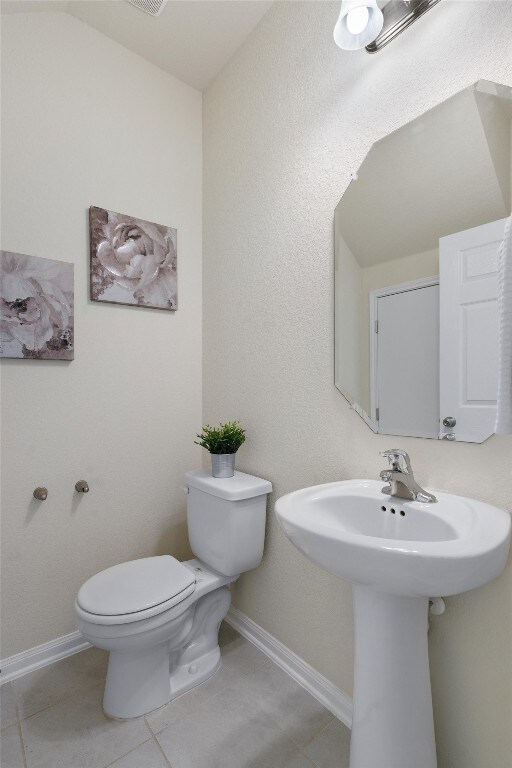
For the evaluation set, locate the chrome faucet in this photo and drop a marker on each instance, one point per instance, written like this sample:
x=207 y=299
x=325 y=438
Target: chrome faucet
x=401 y=478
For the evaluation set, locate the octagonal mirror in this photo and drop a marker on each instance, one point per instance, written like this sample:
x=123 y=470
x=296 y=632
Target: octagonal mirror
x=417 y=235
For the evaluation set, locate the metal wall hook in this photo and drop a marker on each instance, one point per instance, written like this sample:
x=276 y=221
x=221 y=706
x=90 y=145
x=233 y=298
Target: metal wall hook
x=81 y=486
x=41 y=494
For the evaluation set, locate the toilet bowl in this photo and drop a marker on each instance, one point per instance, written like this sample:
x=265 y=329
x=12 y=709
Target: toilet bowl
x=158 y=617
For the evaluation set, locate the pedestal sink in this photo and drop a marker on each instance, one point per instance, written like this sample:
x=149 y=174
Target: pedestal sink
x=397 y=554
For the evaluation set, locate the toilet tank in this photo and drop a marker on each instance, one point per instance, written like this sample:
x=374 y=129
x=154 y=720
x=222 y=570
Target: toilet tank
x=226 y=520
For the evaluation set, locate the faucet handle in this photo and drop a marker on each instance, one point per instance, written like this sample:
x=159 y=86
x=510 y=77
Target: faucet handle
x=397 y=458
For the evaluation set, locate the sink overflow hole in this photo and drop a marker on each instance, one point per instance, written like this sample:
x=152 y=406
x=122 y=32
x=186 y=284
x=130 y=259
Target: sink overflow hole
x=402 y=513
x=383 y=509
x=392 y=511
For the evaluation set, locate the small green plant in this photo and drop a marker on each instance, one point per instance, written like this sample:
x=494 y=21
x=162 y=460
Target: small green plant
x=226 y=438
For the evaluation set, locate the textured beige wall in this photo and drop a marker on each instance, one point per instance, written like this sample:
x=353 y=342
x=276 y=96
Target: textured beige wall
x=86 y=122
x=285 y=124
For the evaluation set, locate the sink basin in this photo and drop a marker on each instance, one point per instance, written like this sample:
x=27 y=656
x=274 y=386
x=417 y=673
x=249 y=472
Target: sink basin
x=354 y=531
x=397 y=554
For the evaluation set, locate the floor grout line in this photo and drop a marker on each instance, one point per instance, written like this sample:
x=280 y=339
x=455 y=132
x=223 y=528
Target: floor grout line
x=281 y=728
x=120 y=757
x=158 y=743
x=5 y=687
x=162 y=752
x=20 y=732
x=299 y=748
x=309 y=758
x=59 y=701
x=322 y=729
x=298 y=753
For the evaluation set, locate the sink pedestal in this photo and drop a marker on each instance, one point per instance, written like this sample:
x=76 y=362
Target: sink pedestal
x=352 y=530
x=392 y=724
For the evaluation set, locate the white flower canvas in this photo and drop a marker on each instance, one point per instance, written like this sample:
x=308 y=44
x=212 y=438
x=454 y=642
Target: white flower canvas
x=36 y=310
x=133 y=261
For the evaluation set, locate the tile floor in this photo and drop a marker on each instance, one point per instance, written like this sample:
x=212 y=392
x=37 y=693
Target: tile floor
x=249 y=715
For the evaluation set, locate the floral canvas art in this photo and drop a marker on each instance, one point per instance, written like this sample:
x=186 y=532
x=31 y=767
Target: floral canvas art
x=132 y=261
x=36 y=311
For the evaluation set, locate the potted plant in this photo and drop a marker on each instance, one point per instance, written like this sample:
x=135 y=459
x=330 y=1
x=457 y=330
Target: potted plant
x=222 y=442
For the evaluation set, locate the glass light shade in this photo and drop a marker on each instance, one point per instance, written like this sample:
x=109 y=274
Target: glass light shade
x=357 y=19
x=350 y=32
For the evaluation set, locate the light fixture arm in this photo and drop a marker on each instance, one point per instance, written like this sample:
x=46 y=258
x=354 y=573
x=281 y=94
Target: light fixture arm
x=398 y=16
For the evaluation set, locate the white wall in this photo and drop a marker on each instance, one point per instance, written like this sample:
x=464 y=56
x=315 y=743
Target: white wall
x=285 y=124
x=88 y=123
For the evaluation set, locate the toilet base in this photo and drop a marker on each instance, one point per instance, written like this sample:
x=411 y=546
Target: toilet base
x=183 y=679
x=200 y=658
x=188 y=676
x=137 y=682
x=141 y=680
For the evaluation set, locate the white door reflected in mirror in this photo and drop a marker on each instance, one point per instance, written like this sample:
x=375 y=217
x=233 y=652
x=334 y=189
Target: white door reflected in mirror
x=468 y=263
x=405 y=356
x=422 y=220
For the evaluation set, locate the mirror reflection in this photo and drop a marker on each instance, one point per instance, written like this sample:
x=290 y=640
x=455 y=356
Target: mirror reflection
x=416 y=240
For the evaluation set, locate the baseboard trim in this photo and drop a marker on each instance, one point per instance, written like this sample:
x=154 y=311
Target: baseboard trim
x=41 y=656
x=318 y=686
x=329 y=695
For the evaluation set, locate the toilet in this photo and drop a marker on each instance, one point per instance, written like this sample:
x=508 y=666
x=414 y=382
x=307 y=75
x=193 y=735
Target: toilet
x=159 y=617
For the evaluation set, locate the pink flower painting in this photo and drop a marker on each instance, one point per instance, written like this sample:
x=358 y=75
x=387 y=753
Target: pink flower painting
x=132 y=261
x=36 y=307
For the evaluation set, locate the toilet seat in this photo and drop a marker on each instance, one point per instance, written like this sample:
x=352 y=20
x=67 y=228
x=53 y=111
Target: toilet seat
x=135 y=590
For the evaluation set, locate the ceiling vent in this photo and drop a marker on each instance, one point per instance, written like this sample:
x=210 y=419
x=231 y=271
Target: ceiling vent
x=153 y=7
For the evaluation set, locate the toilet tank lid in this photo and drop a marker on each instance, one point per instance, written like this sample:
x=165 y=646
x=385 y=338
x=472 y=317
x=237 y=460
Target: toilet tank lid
x=240 y=486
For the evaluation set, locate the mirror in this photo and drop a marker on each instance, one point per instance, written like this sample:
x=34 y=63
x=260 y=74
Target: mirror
x=416 y=241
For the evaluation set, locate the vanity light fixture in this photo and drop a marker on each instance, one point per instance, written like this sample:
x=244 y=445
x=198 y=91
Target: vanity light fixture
x=362 y=24
x=359 y=23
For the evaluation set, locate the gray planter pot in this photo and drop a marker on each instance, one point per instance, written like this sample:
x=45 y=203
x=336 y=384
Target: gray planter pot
x=223 y=464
